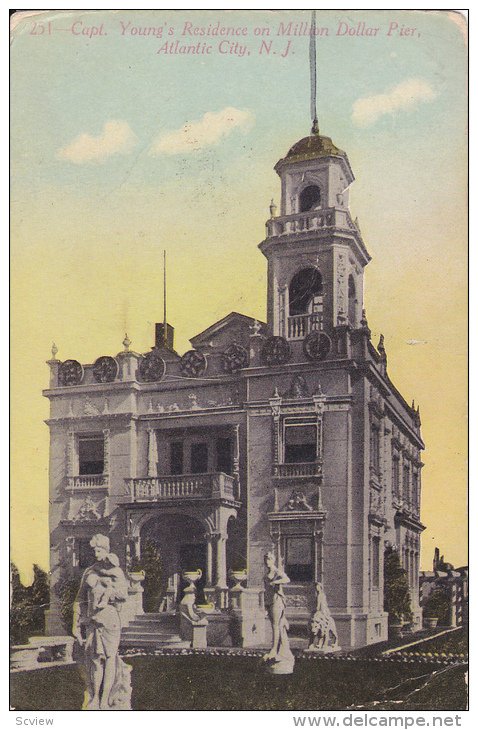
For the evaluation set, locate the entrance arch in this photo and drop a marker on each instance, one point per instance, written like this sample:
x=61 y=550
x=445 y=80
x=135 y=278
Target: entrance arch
x=181 y=543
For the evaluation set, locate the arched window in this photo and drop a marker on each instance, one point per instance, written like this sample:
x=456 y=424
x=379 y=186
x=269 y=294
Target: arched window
x=352 y=302
x=305 y=292
x=309 y=198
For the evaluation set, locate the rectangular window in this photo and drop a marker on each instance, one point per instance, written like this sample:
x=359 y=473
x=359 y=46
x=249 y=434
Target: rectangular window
x=299 y=559
x=91 y=454
x=176 y=457
x=395 y=475
x=415 y=490
x=300 y=443
x=406 y=482
x=86 y=554
x=223 y=455
x=375 y=448
x=375 y=562
x=199 y=458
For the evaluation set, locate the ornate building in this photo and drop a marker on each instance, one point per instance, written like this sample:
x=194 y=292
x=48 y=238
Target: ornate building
x=288 y=432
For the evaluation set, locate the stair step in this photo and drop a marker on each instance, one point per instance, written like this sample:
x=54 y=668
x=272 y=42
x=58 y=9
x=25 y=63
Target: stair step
x=155 y=634
x=152 y=642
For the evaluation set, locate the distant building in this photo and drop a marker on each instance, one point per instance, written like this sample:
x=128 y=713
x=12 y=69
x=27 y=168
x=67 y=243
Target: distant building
x=287 y=432
x=450 y=582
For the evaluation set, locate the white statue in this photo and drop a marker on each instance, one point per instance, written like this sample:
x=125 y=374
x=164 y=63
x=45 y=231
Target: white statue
x=97 y=629
x=280 y=659
x=322 y=626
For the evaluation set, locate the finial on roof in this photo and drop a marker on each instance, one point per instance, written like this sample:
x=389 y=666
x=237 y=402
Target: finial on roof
x=273 y=208
x=54 y=351
x=126 y=343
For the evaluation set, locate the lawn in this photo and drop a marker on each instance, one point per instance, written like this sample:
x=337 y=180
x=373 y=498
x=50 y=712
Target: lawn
x=240 y=683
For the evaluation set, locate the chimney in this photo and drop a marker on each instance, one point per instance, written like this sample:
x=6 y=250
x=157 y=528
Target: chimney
x=160 y=339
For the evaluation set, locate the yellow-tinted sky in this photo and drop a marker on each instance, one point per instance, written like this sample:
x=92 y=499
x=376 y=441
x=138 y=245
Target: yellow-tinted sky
x=105 y=174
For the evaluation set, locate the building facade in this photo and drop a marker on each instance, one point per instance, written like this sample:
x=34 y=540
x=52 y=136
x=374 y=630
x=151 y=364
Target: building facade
x=286 y=433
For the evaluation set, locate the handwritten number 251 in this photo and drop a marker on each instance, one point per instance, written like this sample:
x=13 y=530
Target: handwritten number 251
x=41 y=28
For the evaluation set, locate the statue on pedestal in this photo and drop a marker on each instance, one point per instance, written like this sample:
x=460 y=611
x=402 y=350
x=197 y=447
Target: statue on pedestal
x=279 y=659
x=97 y=629
x=322 y=626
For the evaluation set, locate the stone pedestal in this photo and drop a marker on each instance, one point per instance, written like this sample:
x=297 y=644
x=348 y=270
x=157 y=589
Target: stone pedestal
x=249 y=615
x=134 y=605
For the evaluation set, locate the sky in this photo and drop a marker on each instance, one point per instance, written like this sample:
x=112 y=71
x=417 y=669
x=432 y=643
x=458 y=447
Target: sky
x=121 y=146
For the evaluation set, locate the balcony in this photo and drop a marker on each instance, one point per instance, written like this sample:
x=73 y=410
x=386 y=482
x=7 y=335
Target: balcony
x=87 y=482
x=309 y=221
x=299 y=325
x=182 y=487
x=293 y=471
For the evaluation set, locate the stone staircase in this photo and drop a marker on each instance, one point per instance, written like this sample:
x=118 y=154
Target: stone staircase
x=153 y=630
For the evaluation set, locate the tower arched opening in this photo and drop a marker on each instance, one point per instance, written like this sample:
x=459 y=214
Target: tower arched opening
x=309 y=198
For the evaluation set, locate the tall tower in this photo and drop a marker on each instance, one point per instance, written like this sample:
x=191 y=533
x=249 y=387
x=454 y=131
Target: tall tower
x=315 y=252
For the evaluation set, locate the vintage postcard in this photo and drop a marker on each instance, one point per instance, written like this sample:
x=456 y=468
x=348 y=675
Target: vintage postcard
x=239 y=361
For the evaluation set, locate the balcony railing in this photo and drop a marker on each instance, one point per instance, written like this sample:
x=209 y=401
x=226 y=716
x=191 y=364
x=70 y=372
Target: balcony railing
x=309 y=221
x=304 y=469
x=299 y=325
x=87 y=481
x=183 y=486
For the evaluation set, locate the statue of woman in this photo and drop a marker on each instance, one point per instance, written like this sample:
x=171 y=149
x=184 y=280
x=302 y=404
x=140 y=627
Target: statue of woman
x=280 y=654
x=97 y=628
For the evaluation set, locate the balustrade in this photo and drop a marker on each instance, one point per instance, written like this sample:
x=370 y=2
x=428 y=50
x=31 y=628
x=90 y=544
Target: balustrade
x=87 y=481
x=299 y=325
x=309 y=221
x=305 y=469
x=183 y=486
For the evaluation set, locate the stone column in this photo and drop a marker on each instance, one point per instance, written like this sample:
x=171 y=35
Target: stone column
x=221 y=575
x=152 y=453
x=209 y=577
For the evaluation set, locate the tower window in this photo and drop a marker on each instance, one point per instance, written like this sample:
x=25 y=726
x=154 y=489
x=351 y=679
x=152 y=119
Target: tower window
x=300 y=443
x=309 y=198
x=91 y=454
x=305 y=292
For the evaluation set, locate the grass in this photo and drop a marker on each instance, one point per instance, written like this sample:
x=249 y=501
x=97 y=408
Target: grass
x=241 y=683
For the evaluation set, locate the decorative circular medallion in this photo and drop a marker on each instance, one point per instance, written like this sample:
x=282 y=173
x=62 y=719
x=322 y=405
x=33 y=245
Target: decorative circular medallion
x=316 y=345
x=105 y=369
x=234 y=358
x=276 y=351
x=70 y=372
x=193 y=364
x=152 y=367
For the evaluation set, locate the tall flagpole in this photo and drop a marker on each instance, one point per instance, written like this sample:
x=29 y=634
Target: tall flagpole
x=164 y=296
x=313 y=76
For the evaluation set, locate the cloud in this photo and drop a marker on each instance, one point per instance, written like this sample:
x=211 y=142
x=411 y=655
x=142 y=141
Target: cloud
x=406 y=95
x=207 y=131
x=117 y=138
